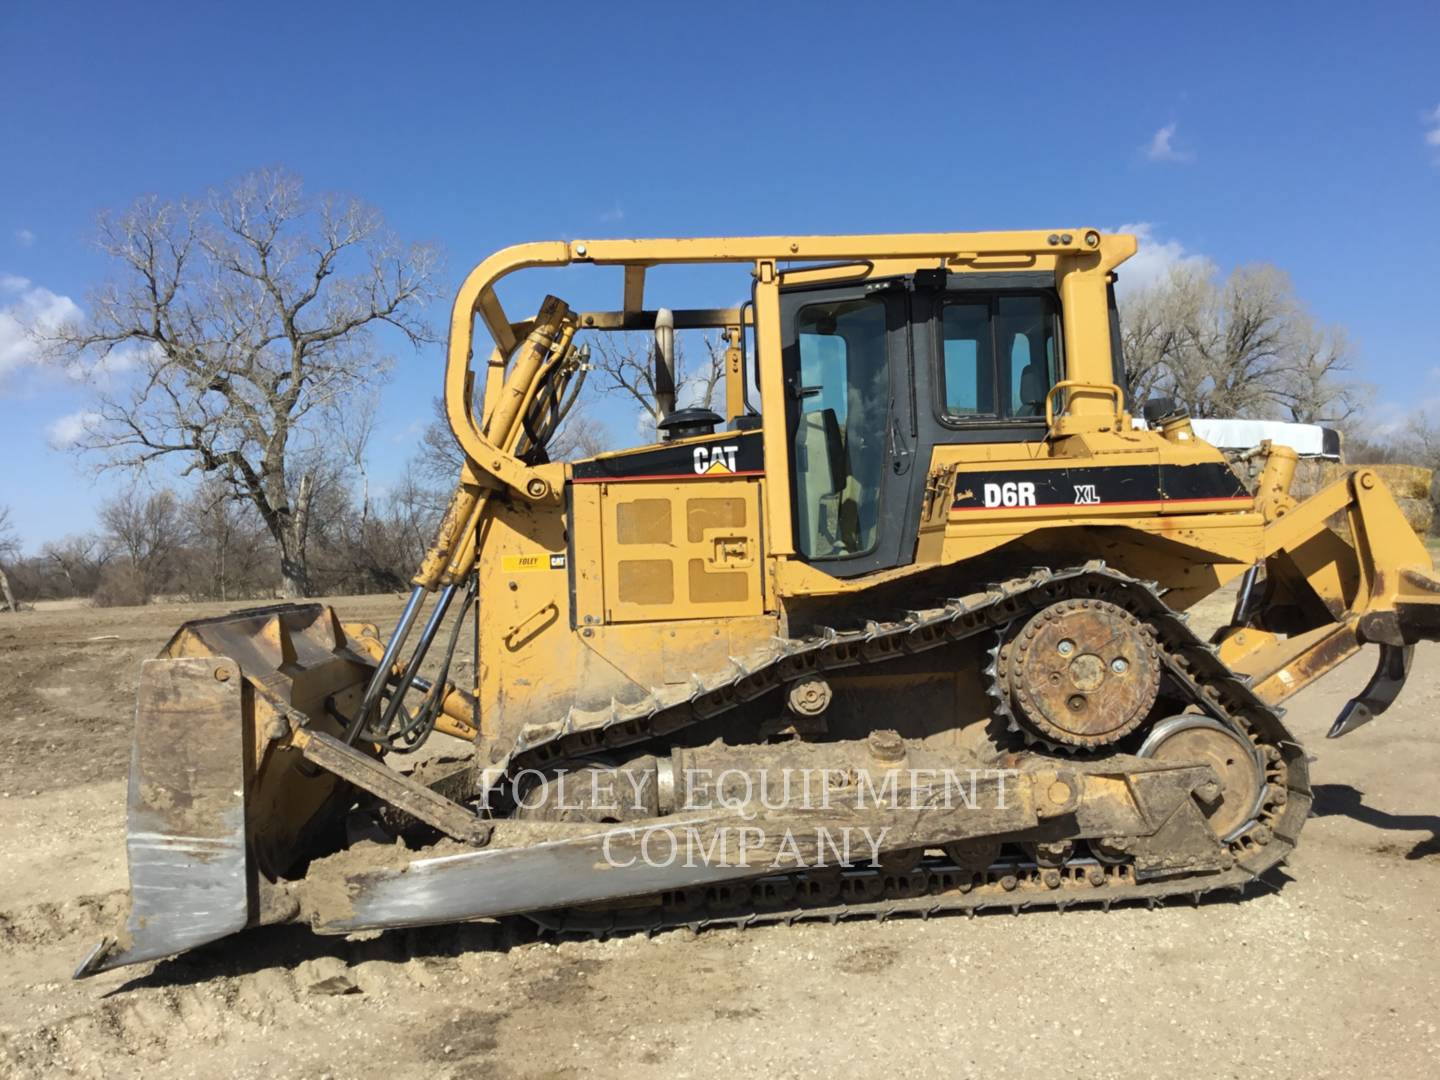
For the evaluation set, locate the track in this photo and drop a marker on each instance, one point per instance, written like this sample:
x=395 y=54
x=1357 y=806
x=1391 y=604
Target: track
x=1192 y=667
x=935 y=888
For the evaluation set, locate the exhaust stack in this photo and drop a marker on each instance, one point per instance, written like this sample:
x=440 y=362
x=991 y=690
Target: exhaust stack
x=664 y=357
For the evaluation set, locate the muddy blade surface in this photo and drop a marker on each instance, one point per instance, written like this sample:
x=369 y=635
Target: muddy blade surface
x=186 y=805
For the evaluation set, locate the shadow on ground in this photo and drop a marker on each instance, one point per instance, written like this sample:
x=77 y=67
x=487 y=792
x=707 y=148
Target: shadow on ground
x=286 y=947
x=1344 y=800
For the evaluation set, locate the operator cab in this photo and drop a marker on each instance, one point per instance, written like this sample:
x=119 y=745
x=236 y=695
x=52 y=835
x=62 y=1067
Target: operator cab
x=881 y=372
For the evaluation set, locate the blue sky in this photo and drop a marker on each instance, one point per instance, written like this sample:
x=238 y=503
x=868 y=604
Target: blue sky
x=1306 y=135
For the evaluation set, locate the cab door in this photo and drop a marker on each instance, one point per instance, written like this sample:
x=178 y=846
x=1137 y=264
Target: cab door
x=850 y=417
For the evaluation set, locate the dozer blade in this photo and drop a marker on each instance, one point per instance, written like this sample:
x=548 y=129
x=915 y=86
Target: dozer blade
x=186 y=806
x=1342 y=570
x=220 y=806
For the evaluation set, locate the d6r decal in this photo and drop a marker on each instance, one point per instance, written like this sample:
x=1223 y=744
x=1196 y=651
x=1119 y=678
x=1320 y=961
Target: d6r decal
x=1011 y=493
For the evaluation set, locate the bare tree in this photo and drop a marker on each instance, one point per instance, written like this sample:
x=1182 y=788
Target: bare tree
x=1417 y=442
x=1314 y=386
x=438 y=458
x=1244 y=347
x=351 y=430
x=381 y=549
x=624 y=364
x=227 y=548
x=9 y=549
x=229 y=328
x=147 y=529
x=580 y=436
x=1150 y=337
x=80 y=559
x=1235 y=340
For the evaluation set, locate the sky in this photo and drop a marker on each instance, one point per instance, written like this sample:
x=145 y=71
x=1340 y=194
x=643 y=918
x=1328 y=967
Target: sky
x=1305 y=135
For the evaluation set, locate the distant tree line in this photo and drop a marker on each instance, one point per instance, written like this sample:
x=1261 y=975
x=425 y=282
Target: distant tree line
x=154 y=543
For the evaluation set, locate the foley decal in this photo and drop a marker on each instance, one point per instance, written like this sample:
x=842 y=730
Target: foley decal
x=519 y=564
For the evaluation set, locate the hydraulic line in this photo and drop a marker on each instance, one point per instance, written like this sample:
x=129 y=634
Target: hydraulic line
x=387 y=662
x=419 y=729
x=427 y=637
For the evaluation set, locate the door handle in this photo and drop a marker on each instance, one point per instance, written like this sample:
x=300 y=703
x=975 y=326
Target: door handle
x=730 y=552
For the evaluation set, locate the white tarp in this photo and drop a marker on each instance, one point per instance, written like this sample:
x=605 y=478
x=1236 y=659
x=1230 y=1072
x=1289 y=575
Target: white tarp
x=1307 y=440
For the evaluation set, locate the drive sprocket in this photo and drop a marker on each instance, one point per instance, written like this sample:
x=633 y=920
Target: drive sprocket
x=1081 y=674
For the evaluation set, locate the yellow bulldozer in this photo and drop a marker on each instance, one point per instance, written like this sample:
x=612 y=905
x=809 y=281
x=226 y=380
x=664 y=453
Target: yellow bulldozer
x=907 y=634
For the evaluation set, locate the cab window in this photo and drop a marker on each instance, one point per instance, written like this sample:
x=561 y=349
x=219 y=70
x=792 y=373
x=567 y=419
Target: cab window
x=998 y=356
x=969 y=367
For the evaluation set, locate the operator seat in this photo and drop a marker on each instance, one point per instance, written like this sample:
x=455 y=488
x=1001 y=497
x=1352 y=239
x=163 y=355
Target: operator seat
x=1032 y=390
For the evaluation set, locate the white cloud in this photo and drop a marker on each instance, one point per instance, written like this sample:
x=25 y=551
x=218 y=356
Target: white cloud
x=69 y=429
x=25 y=310
x=28 y=310
x=1387 y=420
x=127 y=356
x=614 y=214
x=645 y=425
x=407 y=434
x=24 y=238
x=1431 y=119
x=1154 y=259
x=1162 y=147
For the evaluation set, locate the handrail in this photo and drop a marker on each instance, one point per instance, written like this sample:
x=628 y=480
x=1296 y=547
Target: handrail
x=1079 y=386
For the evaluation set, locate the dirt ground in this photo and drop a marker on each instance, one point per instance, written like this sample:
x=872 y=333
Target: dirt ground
x=1331 y=969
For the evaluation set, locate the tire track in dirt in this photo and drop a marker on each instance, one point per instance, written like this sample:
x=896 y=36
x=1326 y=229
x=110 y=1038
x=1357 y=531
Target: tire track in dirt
x=53 y=921
x=284 y=979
